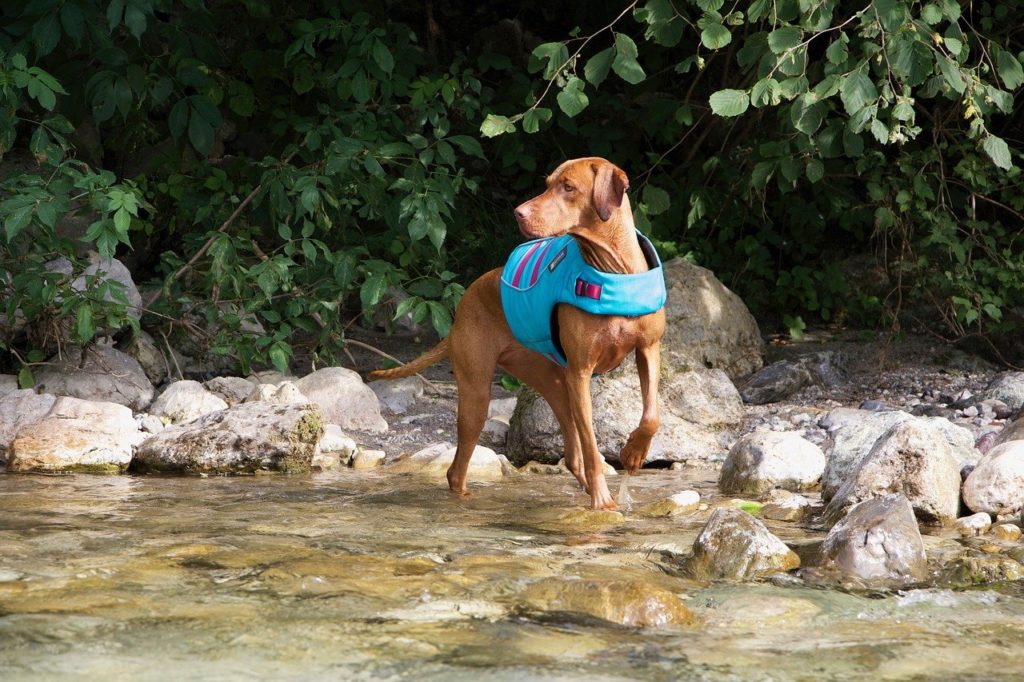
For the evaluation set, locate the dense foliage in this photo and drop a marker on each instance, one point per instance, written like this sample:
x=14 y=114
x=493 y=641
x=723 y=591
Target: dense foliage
x=293 y=164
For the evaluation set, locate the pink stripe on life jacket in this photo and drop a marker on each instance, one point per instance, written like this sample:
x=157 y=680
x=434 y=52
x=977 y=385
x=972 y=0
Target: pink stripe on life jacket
x=540 y=260
x=522 y=264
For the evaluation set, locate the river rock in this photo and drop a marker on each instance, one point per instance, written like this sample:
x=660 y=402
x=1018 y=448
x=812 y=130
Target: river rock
x=975 y=524
x=1012 y=431
x=707 y=325
x=698 y=409
x=775 y=382
x=625 y=602
x=764 y=460
x=112 y=270
x=878 y=543
x=1007 y=532
x=734 y=545
x=8 y=384
x=433 y=461
x=679 y=503
x=77 y=435
x=184 y=401
x=231 y=390
x=241 y=439
x=344 y=399
x=157 y=361
x=18 y=409
x=397 y=395
x=284 y=393
x=783 y=505
x=912 y=458
x=106 y=374
x=996 y=485
x=368 y=459
x=1007 y=387
x=972 y=569
x=853 y=433
x=336 y=441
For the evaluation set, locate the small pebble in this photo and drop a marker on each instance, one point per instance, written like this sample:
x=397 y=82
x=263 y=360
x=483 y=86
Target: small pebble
x=873 y=405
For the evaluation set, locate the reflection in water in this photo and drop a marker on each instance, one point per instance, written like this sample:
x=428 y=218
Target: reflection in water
x=351 y=575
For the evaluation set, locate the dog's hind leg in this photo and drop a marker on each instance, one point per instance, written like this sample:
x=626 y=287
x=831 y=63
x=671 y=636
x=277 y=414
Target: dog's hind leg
x=548 y=379
x=473 y=376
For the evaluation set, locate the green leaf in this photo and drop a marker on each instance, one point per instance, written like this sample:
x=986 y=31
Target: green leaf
x=858 y=90
x=280 y=354
x=115 y=10
x=177 y=120
x=17 y=221
x=200 y=133
x=495 y=125
x=952 y=74
x=1009 y=70
x=710 y=5
x=807 y=114
x=880 y=131
x=84 y=327
x=135 y=20
x=625 y=64
x=911 y=59
x=372 y=290
x=534 y=117
x=468 y=145
x=931 y=14
x=785 y=38
x=597 y=67
x=765 y=92
x=815 y=170
x=998 y=151
x=73 y=21
x=656 y=200
x=440 y=318
x=383 y=57
x=715 y=36
x=25 y=378
x=729 y=102
x=837 y=52
x=122 y=220
x=552 y=56
x=853 y=144
x=572 y=100
x=891 y=13
x=46 y=34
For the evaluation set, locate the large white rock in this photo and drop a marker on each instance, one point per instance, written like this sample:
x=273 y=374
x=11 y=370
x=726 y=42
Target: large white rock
x=344 y=399
x=241 y=439
x=106 y=374
x=231 y=390
x=853 y=433
x=8 y=384
x=996 y=485
x=18 y=409
x=184 y=401
x=877 y=543
x=433 y=461
x=911 y=458
x=77 y=435
x=698 y=410
x=707 y=325
x=1008 y=387
x=764 y=460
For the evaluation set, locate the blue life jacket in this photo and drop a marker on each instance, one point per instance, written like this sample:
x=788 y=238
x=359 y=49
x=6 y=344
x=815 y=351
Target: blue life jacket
x=542 y=273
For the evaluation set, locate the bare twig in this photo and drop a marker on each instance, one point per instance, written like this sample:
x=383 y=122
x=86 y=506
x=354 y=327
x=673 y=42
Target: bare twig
x=378 y=351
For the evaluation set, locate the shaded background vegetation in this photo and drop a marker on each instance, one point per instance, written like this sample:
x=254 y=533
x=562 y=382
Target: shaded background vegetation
x=307 y=164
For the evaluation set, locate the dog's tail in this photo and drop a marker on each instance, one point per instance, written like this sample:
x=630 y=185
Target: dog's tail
x=435 y=354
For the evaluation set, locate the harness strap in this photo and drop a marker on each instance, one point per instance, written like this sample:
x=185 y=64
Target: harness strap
x=588 y=290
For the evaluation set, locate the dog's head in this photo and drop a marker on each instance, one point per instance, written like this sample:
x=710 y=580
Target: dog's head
x=580 y=193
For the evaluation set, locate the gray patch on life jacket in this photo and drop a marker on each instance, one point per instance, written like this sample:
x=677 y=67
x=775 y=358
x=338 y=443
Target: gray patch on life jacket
x=559 y=257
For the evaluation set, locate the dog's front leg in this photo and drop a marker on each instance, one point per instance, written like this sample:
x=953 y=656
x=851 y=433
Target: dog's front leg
x=578 y=384
x=648 y=364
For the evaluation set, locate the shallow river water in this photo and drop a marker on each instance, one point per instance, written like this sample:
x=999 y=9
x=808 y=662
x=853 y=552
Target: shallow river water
x=353 y=575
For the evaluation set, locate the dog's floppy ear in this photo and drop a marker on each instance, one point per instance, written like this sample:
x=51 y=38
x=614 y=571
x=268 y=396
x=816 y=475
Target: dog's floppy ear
x=610 y=183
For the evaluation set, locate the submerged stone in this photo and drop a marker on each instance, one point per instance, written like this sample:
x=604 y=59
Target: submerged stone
x=624 y=602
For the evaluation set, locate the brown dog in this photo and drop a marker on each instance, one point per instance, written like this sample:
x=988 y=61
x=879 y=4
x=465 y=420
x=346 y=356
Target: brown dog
x=586 y=198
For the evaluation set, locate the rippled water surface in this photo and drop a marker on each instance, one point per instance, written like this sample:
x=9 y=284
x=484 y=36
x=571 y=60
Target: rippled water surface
x=352 y=575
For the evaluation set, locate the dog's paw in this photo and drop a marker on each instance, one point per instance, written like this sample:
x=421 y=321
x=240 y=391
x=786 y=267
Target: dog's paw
x=634 y=451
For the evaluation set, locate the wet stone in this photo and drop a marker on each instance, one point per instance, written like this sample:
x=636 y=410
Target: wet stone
x=996 y=485
x=764 y=460
x=679 y=503
x=624 y=602
x=368 y=459
x=973 y=570
x=1007 y=532
x=975 y=524
x=735 y=545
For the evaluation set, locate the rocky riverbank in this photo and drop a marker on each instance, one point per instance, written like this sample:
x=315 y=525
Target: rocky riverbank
x=859 y=446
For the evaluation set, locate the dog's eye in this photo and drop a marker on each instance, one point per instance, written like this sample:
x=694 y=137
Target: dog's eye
x=568 y=188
